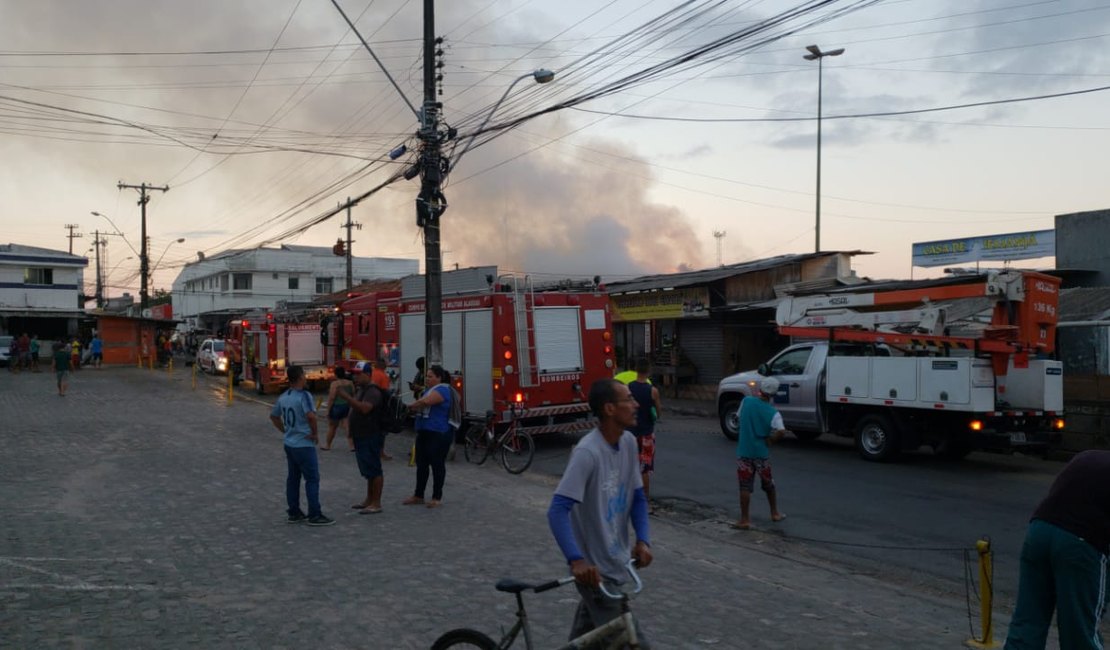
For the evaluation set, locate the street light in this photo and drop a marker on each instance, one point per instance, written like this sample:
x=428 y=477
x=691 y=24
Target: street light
x=176 y=241
x=541 y=75
x=816 y=53
x=118 y=232
x=108 y=275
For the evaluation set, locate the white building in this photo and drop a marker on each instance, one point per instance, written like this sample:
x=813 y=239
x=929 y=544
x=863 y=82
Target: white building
x=212 y=288
x=40 y=291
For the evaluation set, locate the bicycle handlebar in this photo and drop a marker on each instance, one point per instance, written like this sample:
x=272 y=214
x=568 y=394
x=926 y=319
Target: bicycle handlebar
x=630 y=567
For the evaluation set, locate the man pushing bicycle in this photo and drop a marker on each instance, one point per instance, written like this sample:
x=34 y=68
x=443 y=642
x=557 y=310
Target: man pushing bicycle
x=600 y=494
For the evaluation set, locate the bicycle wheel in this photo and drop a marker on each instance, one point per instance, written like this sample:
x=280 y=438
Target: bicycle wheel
x=464 y=638
x=517 y=451
x=476 y=447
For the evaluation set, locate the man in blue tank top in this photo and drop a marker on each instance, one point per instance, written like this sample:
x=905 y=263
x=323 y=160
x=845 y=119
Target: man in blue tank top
x=648 y=407
x=760 y=426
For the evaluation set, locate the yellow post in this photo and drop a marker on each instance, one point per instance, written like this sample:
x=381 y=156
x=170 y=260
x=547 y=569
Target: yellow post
x=986 y=595
x=169 y=367
x=229 y=393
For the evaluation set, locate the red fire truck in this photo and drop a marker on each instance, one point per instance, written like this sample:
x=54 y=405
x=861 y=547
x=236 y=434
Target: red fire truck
x=263 y=344
x=370 y=328
x=507 y=342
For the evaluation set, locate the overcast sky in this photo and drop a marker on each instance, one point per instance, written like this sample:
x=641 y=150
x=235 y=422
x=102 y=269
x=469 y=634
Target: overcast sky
x=262 y=114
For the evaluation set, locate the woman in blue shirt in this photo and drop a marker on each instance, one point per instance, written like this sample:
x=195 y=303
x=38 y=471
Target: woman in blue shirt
x=433 y=436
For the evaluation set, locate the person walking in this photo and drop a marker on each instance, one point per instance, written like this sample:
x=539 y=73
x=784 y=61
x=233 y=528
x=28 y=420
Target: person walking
x=599 y=496
x=337 y=408
x=36 y=348
x=1064 y=560
x=648 y=408
x=365 y=428
x=295 y=416
x=760 y=425
x=433 y=436
x=24 y=352
x=60 y=366
x=96 y=349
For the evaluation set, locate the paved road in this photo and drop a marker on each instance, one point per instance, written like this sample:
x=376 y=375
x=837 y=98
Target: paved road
x=875 y=518
x=140 y=513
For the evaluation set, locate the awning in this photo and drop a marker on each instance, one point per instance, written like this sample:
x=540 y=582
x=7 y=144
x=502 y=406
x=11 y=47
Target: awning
x=8 y=312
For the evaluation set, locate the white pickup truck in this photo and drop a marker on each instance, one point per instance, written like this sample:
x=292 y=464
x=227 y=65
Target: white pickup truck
x=895 y=403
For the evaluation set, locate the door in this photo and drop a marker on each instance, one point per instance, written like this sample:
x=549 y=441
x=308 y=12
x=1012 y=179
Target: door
x=797 y=396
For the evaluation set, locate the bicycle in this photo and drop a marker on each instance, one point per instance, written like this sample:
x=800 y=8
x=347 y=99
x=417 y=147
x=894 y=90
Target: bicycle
x=622 y=628
x=515 y=447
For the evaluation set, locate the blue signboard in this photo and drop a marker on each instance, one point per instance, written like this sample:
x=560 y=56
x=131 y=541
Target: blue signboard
x=1012 y=246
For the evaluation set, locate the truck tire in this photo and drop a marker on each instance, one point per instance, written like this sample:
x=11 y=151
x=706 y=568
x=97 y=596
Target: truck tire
x=877 y=438
x=730 y=424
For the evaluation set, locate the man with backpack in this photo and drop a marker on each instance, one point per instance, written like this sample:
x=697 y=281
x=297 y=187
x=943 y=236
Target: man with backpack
x=365 y=425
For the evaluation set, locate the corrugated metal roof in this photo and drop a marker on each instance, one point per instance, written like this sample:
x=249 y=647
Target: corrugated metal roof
x=689 y=278
x=1084 y=303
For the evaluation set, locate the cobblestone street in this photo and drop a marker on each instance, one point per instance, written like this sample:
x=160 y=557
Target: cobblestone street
x=141 y=513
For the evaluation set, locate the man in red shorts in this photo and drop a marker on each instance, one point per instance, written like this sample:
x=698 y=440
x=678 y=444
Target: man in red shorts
x=760 y=426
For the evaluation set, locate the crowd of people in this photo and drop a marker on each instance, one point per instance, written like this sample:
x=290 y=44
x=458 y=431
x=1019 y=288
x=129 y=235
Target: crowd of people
x=25 y=352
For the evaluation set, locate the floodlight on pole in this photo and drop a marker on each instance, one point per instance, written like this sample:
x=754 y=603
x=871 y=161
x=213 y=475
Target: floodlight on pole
x=815 y=53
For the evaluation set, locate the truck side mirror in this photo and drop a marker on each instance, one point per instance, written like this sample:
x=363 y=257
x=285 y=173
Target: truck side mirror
x=763 y=369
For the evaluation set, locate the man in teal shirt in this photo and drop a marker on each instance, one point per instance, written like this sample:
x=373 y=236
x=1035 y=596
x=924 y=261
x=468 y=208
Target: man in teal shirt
x=295 y=416
x=760 y=426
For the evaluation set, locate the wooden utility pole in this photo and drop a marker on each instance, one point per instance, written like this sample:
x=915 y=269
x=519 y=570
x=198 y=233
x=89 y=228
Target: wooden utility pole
x=144 y=254
x=72 y=235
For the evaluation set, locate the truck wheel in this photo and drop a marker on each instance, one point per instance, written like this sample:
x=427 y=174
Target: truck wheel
x=806 y=436
x=730 y=424
x=877 y=438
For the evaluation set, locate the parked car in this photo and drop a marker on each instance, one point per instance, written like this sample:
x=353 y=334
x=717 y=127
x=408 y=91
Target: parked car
x=212 y=357
x=5 y=349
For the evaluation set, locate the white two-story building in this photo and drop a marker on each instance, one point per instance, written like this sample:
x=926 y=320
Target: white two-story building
x=210 y=290
x=40 y=291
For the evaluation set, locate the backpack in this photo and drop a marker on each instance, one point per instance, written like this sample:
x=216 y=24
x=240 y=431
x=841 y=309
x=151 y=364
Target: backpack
x=393 y=412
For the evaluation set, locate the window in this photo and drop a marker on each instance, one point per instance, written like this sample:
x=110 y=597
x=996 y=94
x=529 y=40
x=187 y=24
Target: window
x=294 y=282
x=791 y=363
x=241 y=281
x=38 y=276
x=223 y=282
x=323 y=285
x=273 y=276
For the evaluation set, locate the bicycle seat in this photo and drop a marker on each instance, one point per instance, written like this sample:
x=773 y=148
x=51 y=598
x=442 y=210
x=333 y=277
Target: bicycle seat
x=512 y=586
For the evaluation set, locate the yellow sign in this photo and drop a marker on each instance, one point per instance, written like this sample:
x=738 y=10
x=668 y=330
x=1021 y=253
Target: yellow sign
x=660 y=305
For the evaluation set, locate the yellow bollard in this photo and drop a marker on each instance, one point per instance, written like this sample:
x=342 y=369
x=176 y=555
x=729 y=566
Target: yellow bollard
x=229 y=393
x=986 y=595
x=169 y=367
x=412 y=455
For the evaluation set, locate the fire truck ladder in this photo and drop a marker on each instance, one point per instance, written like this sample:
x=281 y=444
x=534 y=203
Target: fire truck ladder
x=523 y=304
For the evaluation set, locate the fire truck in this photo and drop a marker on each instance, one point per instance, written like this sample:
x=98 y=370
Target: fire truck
x=512 y=347
x=370 y=327
x=263 y=344
x=957 y=364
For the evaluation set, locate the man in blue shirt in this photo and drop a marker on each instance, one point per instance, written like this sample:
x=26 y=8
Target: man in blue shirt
x=295 y=416
x=600 y=494
x=760 y=426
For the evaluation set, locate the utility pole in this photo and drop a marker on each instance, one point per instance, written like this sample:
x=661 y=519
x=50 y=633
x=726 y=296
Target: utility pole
x=144 y=254
x=349 y=225
x=430 y=203
x=98 y=242
x=72 y=235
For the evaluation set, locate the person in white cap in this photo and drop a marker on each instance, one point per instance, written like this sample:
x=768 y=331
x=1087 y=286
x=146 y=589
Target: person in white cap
x=760 y=425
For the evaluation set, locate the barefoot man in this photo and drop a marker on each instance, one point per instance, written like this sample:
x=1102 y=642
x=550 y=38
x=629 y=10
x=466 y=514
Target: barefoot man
x=760 y=426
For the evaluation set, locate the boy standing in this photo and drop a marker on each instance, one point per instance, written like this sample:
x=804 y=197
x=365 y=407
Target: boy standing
x=295 y=416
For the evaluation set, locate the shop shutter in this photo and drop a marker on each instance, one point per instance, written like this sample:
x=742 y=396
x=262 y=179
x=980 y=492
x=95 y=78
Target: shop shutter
x=702 y=342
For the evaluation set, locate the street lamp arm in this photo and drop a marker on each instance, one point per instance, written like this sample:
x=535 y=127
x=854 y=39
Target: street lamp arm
x=117 y=232
x=541 y=75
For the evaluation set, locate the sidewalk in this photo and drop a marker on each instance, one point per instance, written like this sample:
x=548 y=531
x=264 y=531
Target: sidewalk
x=141 y=513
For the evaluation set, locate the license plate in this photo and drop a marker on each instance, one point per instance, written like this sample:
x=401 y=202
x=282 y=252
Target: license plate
x=1017 y=436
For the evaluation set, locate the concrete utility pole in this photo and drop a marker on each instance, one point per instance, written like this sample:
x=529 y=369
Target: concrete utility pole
x=144 y=254
x=72 y=235
x=98 y=242
x=430 y=203
x=815 y=54
x=349 y=225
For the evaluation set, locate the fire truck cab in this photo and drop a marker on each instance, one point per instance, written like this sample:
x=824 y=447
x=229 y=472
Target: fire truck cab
x=264 y=344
